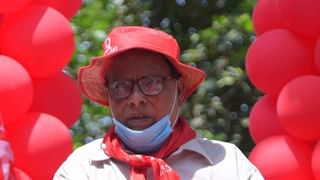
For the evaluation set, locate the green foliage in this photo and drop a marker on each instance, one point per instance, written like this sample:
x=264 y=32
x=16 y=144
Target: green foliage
x=213 y=34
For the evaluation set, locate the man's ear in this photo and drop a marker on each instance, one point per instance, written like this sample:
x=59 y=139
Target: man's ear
x=181 y=91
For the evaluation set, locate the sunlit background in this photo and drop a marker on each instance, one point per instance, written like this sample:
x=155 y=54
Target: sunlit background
x=214 y=35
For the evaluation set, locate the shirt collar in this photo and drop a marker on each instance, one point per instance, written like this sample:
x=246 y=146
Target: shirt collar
x=193 y=145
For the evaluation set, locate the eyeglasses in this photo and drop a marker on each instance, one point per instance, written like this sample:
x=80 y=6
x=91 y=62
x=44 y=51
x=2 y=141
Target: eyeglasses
x=148 y=85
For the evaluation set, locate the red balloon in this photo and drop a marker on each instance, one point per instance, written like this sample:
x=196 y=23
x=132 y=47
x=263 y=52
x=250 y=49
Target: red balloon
x=58 y=95
x=20 y=175
x=1 y=17
x=298 y=107
x=40 y=143
x=317 y=55
x=275 y=58
x=16 y=89
x=7 y=6
x=46 y=44
x=301 y=16
x=67 y=8
x=266 y=16
x=264 y=121
x=283 y=158
x=316 y=161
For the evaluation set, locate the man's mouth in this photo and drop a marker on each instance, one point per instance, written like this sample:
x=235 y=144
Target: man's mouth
x=138 y=117
x=139 y=122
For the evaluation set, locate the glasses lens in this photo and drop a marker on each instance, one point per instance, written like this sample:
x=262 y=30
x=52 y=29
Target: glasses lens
x=151 y=85
x=119 y=89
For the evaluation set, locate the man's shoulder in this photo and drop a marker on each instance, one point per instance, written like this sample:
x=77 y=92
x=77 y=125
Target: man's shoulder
x=215 y=151
x=89 y=151
x=225 y=157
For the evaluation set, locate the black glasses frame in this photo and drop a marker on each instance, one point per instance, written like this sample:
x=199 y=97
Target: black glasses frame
x=139 y=82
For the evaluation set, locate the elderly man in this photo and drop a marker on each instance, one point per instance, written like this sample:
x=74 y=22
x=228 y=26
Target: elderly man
x=142 y=80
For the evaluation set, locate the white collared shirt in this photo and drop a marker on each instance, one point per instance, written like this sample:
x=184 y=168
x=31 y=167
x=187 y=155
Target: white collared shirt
x=198 y=159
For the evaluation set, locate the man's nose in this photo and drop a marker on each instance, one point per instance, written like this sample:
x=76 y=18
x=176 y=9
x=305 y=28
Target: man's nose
x=136 y=97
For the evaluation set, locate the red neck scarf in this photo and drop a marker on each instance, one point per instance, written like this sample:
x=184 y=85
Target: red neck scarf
x=181 y=134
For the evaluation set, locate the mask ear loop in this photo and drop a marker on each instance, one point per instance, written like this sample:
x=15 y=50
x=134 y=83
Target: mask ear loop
x=110 y=106
x=174 y=104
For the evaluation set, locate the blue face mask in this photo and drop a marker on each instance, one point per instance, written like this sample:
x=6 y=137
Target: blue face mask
x=144 y=141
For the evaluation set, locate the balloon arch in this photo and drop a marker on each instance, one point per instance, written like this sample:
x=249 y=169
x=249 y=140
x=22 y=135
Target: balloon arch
x=284 y=63
x=39 y=102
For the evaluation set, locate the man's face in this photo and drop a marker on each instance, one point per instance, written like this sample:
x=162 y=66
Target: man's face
x=139 y=111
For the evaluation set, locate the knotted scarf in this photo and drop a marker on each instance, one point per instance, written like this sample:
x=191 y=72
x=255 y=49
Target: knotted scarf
x=139 y=163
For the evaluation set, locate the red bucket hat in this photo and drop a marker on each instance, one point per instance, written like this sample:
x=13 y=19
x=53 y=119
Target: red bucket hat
x=123 y=38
